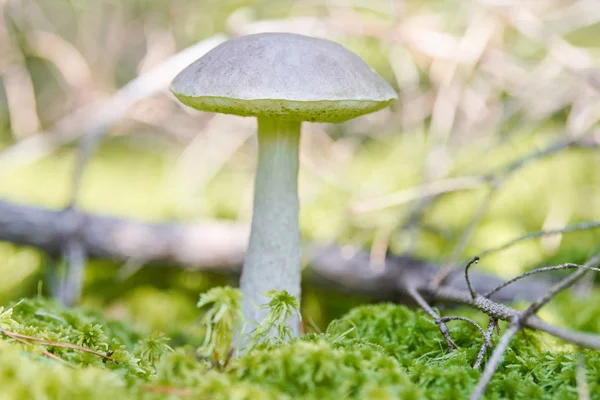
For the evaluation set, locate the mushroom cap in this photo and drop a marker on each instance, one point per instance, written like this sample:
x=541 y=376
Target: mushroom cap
x=283 y=75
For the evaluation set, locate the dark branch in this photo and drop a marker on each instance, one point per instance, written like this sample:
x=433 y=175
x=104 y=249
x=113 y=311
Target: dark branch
x=505 y=313
x=529 y=273
x=212 y=245
x=518 y=322
x=487 y=343
x=441 y=322
x=220 y=247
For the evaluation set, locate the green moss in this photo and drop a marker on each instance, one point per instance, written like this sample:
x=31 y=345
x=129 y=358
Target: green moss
x=275 y=326
x=317 y=369
x=134 y=353
x=217 y=386
x=220 y=321
x=381 y=351
x=29 y=376
x=26 y=373
x=529 y=370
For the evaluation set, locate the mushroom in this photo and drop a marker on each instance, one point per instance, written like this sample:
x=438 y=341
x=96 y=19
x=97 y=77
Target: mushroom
x=282 y=79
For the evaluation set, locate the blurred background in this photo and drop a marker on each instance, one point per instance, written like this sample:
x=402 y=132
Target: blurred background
x=482 y=84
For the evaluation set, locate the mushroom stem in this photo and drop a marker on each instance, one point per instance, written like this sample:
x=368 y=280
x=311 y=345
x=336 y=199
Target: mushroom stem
x=274 y=255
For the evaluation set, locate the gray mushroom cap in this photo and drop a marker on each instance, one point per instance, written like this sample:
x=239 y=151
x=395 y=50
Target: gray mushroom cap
x=283 y=75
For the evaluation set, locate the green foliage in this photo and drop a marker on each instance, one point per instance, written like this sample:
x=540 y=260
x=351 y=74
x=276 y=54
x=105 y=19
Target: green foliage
x=132 y=176
x=218 y=386
x=47 y=320
x=28 y=375
x=281 y=307
x=529 y=370
x=381 y=351
x=317 y=370
x=221 y=319
x=152 y=347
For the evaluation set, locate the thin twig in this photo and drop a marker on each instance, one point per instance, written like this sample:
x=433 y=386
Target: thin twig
x=487 y=343
x=519 y=321
x=465 y=319
x=472 y=261
x=580 y=141
x=58 y=344
x=583 y=339
x=560 y=286
x=505 y=313
x=583 y=389
x=441 y=324
x=68 y=284
x=495 y=358
x=537 y=271
x=581 y=226
x=44 y=351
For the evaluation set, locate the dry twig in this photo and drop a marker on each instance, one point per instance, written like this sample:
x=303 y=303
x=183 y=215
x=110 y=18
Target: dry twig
x=220 y=247
x=519 y=321
x=582 y=226
x=44 y=351
x=487 y=343
x=583 y=389
x=21 y=338
x=441 y=322
x=534 y=272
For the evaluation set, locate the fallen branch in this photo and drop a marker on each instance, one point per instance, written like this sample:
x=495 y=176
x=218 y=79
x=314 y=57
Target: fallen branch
x=497 y=311
x=441 y=322
x=215 y=246
x=220 y=247
x=520 y=321
x=487 y=343
x=505 y=313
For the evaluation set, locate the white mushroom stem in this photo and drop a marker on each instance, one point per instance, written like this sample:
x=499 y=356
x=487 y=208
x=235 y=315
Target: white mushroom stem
x=274 y=255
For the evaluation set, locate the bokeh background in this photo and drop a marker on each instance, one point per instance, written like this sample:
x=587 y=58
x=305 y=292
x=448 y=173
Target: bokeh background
x=481 y=83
